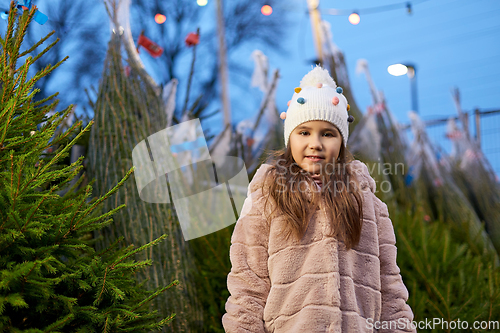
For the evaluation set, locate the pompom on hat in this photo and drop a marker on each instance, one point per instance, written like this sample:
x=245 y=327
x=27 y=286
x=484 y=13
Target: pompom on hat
x=318 y=98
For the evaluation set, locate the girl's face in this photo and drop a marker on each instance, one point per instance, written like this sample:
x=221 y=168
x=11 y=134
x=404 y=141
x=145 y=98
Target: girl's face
x=314 y=144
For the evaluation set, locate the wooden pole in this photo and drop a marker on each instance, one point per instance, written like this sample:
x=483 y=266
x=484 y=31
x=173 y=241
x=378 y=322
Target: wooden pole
x=466 y=124
x=223 y=72
x=478 y=127
x=315 y=25
x=191 y=73
x=463 y=117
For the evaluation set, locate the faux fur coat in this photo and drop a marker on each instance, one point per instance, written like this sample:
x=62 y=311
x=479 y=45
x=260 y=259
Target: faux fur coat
x=315 y=285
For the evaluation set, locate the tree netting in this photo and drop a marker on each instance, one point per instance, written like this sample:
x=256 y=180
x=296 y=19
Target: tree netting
x=127 y=110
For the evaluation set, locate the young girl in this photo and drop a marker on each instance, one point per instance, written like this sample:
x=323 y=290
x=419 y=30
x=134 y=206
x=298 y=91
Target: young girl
x=314 y=248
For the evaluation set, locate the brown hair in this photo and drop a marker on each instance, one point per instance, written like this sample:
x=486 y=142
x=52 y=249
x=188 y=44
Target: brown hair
x=345 y=206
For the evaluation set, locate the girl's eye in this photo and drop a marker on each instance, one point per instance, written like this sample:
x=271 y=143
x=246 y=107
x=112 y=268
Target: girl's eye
x=327 y=134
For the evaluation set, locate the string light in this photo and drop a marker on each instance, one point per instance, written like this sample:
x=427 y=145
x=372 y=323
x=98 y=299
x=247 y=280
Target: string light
x=354 y=18
x=160 y=19
x=266 y=10
x=372 y=10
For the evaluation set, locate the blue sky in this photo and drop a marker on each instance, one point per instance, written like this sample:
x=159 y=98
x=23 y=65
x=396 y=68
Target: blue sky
x=453 y=43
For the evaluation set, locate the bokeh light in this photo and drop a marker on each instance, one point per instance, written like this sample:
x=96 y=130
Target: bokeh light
x=266 y=10
x=397 y=69
x=159 y=18
x=313 y=4
x=201 y=3
x=354 y=18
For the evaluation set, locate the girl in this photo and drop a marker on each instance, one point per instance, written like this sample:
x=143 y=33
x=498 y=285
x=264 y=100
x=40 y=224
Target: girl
x=314 y=248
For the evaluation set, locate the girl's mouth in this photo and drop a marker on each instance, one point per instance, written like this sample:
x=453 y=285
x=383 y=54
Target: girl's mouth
x=315 y=158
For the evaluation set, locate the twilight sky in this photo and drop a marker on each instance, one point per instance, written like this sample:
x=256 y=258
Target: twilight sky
x=453 y=43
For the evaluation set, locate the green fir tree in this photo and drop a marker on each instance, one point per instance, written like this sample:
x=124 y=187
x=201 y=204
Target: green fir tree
x=51 y=278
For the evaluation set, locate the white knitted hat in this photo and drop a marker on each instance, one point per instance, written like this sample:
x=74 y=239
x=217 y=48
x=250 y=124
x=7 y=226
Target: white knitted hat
x=317 y=98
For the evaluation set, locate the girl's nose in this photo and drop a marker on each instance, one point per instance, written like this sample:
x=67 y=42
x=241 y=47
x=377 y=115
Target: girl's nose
x=315 y=143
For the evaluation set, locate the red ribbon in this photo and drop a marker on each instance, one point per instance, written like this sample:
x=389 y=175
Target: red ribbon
x=192 y=39
x=377 y=108
x=151 y=47
x=454 y=135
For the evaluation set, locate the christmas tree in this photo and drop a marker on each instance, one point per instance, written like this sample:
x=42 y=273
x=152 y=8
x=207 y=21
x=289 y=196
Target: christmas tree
x=129 y=107
x=51 y=278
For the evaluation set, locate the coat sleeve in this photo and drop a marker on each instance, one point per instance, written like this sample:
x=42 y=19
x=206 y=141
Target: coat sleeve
x=394 y=292
x=248 y=282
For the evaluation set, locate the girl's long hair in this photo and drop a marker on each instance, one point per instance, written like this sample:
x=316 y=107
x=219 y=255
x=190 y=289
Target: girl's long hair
x=343 y=198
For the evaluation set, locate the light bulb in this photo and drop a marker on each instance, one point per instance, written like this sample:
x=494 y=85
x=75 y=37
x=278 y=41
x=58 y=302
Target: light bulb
x=266 y=10
x=397 y=69
x=159 y=18
x=354 y=18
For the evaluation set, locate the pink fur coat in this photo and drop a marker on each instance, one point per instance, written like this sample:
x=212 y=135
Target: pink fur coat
x=316 y=285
